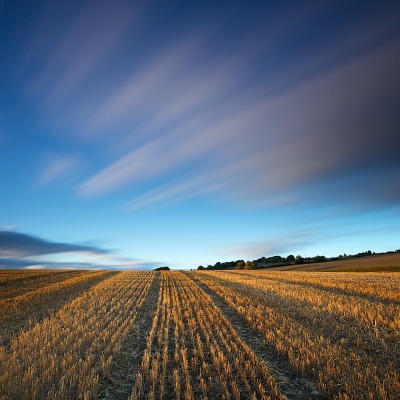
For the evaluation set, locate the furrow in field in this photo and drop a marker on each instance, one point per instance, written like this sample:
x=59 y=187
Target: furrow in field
x=353 y=310
x=306 y=337
x=117 y=384
x=25 y=311
x=65 y=356
x=193 y=352
x=16 y=283
x=375 y=287
x=292 y=386
x=155 y=353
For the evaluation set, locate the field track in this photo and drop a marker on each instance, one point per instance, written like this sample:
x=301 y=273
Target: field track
x=199 y=335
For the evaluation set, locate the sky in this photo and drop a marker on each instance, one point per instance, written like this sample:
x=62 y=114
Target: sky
x=137 y=134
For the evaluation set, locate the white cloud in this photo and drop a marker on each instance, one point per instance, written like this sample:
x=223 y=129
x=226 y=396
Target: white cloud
x=203 y=122
x=271 y=146
x=55 y=169
x=84 y=44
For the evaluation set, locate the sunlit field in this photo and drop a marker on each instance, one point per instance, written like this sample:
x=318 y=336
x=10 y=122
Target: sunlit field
x=199 y=335
x=375 y=263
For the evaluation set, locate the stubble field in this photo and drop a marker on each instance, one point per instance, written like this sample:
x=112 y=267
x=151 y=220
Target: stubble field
x=199 y=335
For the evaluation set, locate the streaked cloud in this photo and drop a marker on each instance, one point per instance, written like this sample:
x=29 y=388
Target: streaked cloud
x=254 y=250
x=210 y=115
x=274 y=245
x=20 y=250
x=22 y=263
x=258 y=107
x=324 y=128
x=18 y=263
x=17 y=244
x=298 y=241
x=56 y=168
x=66 y=62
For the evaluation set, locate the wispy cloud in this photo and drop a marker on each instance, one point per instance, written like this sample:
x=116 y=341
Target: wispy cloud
x=16 y=244
x=18 y=263
x=78 y=50
x=56 y=168
x=326 y=127
x=20 y=250
x=22 y=263
x=251 y=118
x=299 y=241
x=274 y=245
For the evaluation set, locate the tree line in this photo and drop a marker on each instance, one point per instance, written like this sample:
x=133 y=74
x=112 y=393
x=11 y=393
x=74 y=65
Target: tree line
x=279 y=261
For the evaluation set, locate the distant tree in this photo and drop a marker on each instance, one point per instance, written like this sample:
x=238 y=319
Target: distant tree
x=240 y=265
x=275 y=259
x=200 y=268
x=162 y=269
x=250 y=265
x=235 y=262
x=318 y=259
x=290 y=258
x=299 y=260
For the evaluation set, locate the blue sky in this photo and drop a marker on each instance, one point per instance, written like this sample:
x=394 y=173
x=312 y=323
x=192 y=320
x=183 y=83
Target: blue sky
x=137 y=134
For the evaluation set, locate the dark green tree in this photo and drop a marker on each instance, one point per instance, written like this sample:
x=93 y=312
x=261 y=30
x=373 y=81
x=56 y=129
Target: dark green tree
x=290 y=258
x=240 y=265
x=299 y=260
x=250 y=265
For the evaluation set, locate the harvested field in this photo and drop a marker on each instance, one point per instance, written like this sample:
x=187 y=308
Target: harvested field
x=203 y=335
x=42 y=294
x=379 y=262
x=19 y=282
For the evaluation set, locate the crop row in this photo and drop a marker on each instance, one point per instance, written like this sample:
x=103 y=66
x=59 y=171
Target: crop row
x=325 y=336
x=64 y=356
x=376 y=286
x=343 y=306
x=23 y=311
x=15 y=283
x=193 y=352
